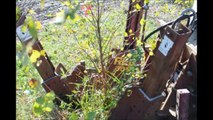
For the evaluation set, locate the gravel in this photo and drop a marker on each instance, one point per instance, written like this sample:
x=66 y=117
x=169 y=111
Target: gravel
x=52 y=7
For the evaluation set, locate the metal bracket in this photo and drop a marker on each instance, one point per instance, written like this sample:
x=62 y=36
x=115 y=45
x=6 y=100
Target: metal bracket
x=146 y=7
x=23 y=36
x=163 y=94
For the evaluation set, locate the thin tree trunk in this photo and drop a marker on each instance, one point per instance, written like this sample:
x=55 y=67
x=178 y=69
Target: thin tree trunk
x=100 y=48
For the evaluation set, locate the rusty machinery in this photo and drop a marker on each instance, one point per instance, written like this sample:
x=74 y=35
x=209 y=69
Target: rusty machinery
x=170 y=86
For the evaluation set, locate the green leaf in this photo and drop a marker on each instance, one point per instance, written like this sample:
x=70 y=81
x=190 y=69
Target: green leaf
x=129 y=55
x=74 y=91
x=125 y=34
x=151 y=53
x=48 y=106
x=129 y=92
x=43 y=104
x=91 y=115
x=157 y=14
x=49 y=15
x=18 y=11
x=115 y=79
x=40 y=100
x=36 y=105
x=24 y=28
x=130 y=31
x=47 y=109
x=37 y=109
x=27 y=69
x=32 y=27
x=76 y=1
x=63 y=15
x=43 y=53
x=38 y=25
x=146 y=1
x=42 y=4
x=137 y=6
x=32 y=12
x=142 y=21
x=50 y=95
x=73 y=116
x=71 y=13
x=34 y=56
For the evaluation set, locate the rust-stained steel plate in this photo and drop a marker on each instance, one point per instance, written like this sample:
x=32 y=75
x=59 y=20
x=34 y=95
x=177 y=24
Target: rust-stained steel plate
x=135 y=106
x=162 y=65
x=133 y=24
x=45 y=68
x=165 y=59
x=52 y=78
